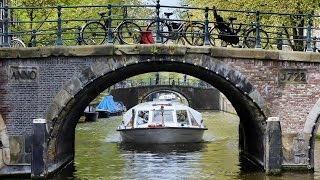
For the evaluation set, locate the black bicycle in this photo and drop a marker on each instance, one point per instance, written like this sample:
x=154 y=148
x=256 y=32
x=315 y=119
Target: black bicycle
x=126 y=32
x=224 y=33
x=189 y=31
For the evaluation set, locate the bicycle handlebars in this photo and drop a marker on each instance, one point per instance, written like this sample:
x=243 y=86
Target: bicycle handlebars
x=215 y=14
x=124 y=11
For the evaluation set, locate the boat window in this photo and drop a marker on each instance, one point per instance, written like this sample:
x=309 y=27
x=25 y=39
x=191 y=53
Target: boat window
x=143 y=117
x=167 y=116
x=182 y=117
x=193 y=121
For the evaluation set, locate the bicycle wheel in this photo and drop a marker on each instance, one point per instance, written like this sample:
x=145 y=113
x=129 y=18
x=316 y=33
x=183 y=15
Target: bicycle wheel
x=129 y=33
x=16 y=43
x=250 y=38
x=214 y=38
x=93 y=33
x=164 y=31
x=178 y=40
x=194 y=35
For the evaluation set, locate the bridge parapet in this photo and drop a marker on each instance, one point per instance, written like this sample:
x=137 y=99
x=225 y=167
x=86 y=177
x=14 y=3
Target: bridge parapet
x=143 y=19
x=162 y=82
x=71 y=77
x=168 y=50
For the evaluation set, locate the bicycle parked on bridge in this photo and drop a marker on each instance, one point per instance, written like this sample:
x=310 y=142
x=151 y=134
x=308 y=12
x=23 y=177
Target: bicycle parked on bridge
x=224 y=33
x=189 y=31
x=16 y=42
x=96 y=32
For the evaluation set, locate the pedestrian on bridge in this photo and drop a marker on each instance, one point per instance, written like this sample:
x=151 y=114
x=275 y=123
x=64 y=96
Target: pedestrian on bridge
x=157 y=78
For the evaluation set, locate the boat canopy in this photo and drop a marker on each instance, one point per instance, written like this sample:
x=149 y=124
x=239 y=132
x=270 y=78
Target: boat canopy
x=108 y=104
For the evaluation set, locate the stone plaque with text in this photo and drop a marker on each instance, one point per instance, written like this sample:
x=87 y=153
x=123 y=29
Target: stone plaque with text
x=23 y=74
x=292 y=76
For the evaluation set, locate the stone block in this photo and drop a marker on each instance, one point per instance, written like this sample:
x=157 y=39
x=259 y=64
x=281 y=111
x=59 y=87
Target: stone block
x=86 y=75
x=53 y=111
x=73 y=86
x=62 y=98
x=255 y=95
x=102 y=67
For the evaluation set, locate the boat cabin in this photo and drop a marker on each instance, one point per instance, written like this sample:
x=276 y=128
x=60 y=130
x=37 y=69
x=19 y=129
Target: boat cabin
x=160 y=114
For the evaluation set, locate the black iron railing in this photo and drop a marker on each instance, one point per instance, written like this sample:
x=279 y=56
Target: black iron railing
x=162 y=82
x=134 y=24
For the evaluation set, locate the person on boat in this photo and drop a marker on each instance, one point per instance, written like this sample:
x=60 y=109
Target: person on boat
x=142 y=118
x=182 y=116
x=129 y=123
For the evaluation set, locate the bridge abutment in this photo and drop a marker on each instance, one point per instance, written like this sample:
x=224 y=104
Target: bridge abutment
x=39 y=164
x=71 y=77
x=273 y=147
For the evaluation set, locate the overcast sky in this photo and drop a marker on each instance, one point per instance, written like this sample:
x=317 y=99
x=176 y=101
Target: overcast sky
x=165 y=2
x=170 y=2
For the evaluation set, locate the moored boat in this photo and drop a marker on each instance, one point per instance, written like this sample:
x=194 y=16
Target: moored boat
x=162 y=122
x=109 y=107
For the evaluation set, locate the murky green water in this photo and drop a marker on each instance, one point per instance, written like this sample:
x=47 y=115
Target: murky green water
x=100 y=155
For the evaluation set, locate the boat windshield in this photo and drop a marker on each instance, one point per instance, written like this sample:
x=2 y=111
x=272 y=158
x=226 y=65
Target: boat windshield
x=167 y=116
x=182 y=117
x=193 y=121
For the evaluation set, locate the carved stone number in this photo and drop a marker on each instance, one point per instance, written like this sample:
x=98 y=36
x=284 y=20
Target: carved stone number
x=292 y=76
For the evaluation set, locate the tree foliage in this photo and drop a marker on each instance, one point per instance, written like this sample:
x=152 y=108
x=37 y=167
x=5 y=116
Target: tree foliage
x=293 y=27
x=42 y=16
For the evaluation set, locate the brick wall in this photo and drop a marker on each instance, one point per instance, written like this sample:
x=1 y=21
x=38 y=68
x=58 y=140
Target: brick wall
x=26 y=101
x=21 y=103
x=290 y=102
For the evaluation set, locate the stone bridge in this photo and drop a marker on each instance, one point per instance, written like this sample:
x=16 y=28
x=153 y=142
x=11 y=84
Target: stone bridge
x=57 y=83
x=197 y=97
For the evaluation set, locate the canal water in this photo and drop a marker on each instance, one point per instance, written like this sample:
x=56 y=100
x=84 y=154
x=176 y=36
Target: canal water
x=100 y=155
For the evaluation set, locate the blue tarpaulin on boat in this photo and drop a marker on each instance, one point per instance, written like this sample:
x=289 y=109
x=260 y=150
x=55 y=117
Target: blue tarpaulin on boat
x=108 y=104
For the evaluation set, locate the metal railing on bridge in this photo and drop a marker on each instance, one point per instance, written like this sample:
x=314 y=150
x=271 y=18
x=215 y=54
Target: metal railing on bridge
x=136 y=24
x=162 y=82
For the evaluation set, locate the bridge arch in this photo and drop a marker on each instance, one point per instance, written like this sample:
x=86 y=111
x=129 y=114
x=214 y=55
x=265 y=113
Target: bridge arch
x=310 y=130
x=164 y=89
x=82 y=88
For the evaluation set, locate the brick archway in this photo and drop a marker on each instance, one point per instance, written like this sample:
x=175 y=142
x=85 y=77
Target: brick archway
x=70 y=102
x=310 y=130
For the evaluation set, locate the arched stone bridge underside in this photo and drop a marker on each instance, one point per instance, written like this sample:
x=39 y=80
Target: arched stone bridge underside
x=197 y=97
x=247 y=77
x=85 y=86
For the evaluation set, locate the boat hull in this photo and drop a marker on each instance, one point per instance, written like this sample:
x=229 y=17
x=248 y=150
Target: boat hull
x=162 y=135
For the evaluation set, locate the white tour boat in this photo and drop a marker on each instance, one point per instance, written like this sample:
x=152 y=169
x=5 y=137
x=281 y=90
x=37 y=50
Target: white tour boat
x=162 y=122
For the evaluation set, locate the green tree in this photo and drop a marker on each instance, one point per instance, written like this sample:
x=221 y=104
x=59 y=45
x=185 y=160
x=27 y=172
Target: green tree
x=293 y=27
x=42 y=15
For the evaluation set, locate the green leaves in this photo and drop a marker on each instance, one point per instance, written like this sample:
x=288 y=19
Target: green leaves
x=293 y=27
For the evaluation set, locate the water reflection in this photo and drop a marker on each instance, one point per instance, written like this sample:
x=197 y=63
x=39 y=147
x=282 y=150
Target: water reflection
x=101 y=156
x=162 y=148
x=247 y=166
x=161 y=161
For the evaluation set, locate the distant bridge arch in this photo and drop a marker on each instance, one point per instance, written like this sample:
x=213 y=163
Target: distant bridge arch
x=197 y=97
x=178 y=93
